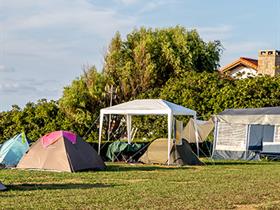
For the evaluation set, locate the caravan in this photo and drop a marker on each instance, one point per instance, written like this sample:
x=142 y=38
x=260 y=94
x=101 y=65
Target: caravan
x=247 y=133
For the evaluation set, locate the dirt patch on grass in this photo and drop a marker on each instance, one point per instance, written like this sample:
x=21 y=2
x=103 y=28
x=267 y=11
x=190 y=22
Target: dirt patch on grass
x=246 y=207
x=136 y=180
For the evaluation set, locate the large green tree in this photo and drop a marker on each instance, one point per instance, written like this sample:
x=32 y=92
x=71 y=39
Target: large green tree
x=141 y=63
x=147 y=58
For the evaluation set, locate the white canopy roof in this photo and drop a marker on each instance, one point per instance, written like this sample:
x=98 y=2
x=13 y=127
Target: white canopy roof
x=148 y=106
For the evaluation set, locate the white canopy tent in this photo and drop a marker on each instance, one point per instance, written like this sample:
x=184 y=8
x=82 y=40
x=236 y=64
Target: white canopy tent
x=147 y=107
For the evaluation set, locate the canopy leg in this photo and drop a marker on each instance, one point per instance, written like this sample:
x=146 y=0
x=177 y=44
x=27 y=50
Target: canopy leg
x=169 y=137
x=100 y=133
x=128 y=126
x=196 y=135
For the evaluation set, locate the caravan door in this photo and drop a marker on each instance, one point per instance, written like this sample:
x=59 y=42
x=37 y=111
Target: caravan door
x=259 y=134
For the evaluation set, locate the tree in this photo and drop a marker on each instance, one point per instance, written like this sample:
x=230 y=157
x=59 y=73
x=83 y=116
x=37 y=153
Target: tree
x=35 y=119
x=83 y=99
x=139 y=65
x=148 y=58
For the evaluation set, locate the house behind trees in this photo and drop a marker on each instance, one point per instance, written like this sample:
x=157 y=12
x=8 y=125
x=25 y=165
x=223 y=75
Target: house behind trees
x=268 y=63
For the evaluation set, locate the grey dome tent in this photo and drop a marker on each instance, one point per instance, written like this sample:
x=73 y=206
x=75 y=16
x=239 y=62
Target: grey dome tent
x=180 y=154
x=247 y=133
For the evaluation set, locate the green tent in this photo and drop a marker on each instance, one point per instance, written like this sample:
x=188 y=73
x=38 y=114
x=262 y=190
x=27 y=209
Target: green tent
x=117 y=148
x=180 y=154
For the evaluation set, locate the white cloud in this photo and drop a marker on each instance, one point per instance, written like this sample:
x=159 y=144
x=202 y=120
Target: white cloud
x=244 y=47
x=58 y=29
x=29 y=86
x=219 y=32
x=127 y=2
x=154 y=5
x=6 y=69
x=77 y=15
x=215 y=29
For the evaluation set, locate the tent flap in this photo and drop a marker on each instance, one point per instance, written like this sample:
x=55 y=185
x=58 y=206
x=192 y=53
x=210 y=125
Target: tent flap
x=204 y=128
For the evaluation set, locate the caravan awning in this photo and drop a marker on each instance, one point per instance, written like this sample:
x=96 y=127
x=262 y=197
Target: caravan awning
x=260 y=116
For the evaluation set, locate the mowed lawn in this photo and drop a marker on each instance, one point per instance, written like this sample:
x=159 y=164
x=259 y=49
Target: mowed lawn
x=124 y=186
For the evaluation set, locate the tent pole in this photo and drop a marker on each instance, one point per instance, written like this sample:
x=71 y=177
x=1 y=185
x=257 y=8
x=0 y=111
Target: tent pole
x=110 y=117
x=100 y=131
x=128 y=126
x=170 y=116
x=196 y=135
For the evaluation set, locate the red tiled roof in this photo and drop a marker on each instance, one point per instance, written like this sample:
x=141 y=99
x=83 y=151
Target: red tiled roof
x=248 y=62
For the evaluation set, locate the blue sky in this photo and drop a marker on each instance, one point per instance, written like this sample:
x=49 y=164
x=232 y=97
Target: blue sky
x=45 y=44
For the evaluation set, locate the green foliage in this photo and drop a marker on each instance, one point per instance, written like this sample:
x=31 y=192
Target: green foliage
x=83 y=99
x=208 y=93
x=148 y=58
x=34 y=119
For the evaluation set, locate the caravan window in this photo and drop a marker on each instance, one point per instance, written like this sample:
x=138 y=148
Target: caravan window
x=268 y=131
x=262 y=132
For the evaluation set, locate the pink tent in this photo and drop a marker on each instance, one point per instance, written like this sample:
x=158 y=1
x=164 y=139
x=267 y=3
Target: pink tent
x=61 y=151
x=52 y=137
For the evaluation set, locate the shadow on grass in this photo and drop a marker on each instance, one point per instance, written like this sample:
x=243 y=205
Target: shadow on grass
x=28 y=187
x=139 y=167
x=239 y=163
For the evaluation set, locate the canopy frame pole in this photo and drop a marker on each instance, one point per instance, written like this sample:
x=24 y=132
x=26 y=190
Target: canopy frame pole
x=170 y=119
x=196 y=135
x=128 y=126
x=100 y=132
x=110 y=117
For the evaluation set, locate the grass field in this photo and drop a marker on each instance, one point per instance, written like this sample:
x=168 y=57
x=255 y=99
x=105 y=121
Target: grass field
x=123 y=186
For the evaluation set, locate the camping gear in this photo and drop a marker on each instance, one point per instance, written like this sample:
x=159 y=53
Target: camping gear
x=147 y=107
x=13 y=150
x=2 y=187
x=61 y=151
x=118 y=148
x=179 y=155
x=204 y=128
x=247 y=133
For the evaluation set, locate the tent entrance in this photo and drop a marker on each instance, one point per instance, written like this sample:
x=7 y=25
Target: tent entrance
x=259 y=134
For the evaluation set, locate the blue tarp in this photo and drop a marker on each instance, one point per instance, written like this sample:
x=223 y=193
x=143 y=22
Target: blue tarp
x=13 y=150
